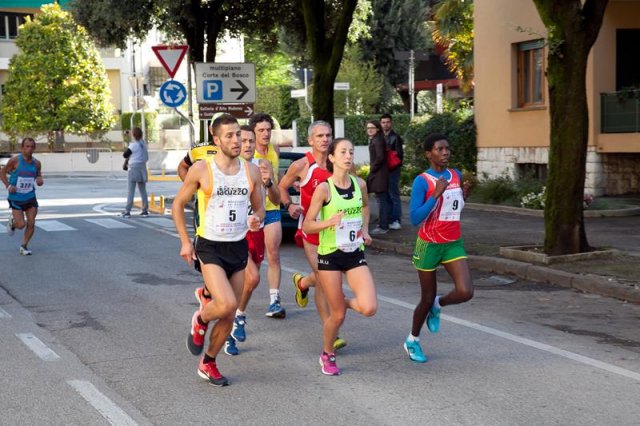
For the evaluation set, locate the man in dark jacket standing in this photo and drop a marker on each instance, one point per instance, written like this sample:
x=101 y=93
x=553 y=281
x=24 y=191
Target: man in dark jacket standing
x=378 y=179
x=394 y=143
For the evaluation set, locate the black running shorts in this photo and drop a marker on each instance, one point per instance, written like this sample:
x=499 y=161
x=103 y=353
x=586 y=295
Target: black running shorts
x=230 y=256
x=341 y=261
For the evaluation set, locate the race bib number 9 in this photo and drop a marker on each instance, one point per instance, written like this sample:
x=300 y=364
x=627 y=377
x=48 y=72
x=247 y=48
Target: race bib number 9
x=452 y=204
x=24 y=184
x=349 y=235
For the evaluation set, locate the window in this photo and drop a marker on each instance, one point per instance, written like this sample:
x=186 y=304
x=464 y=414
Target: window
x=9 y=23
x=530 y=73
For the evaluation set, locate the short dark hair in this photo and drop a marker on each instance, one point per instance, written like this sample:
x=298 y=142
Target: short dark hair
x=332 y=149
x=222 y=120
x=375 y=123
x=136 y=132
x=259 y=118
x=247 y=128
x=27 y=139
x=432 y=139
x=386 y=116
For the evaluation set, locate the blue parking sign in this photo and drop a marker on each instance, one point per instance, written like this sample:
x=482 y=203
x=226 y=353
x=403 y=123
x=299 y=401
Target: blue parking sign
x=212 y=90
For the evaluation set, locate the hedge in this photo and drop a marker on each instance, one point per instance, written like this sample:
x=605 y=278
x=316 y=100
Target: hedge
x=460 y=129
x=354 y=127
x=151 y=131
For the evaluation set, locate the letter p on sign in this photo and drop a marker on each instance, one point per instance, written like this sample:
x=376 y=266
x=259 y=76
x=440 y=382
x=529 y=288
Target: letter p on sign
x=212 y=90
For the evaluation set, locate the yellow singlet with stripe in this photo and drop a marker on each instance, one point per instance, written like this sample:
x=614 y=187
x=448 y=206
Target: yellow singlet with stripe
x=202 y=151
x=271 y=157
x=223 y=211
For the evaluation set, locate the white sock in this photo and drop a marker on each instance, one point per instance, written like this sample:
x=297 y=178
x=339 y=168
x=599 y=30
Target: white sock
x=413 y=338
x=274 y=294
x=436 y=303
x=239 y=312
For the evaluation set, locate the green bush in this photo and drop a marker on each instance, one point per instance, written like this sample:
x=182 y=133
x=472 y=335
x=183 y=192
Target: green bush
x=354 y=127
x=151 y=130
x=504 y=190
x=460 y=129
x=277 y=101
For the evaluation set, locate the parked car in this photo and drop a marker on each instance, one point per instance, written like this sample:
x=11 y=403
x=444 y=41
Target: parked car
x=4 y=158
x=289 y=224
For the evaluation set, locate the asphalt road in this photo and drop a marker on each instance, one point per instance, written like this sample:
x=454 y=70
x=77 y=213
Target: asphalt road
x=93 y=325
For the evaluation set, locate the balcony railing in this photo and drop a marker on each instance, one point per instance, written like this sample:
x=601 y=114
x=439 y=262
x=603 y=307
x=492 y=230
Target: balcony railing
x=620 y=112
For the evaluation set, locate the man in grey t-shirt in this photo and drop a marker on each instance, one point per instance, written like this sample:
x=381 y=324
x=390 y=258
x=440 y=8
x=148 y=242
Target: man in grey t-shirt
x=138 y=155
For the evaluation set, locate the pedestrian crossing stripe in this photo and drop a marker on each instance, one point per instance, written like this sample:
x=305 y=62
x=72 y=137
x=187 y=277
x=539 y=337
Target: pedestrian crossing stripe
x=110 y=223
x=160 y=221
x=53 y=226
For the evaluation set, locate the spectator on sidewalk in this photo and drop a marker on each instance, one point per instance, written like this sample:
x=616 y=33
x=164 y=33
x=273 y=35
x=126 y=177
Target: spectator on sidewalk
x=394 y=143
x=378 y=179
x=138 y=155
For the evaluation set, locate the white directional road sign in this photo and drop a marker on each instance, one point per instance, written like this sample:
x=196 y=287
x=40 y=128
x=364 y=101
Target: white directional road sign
x=225 y=83
x=173 y=93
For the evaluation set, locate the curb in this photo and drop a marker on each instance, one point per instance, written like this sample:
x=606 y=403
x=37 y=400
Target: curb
x=588 y=283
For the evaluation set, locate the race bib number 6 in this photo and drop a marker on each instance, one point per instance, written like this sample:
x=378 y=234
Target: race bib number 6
x=349 y=235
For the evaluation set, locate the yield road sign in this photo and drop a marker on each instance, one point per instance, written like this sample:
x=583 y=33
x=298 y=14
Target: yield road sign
x=225 y=82
x=170 y=57
x=207 y=111
x=173 y=93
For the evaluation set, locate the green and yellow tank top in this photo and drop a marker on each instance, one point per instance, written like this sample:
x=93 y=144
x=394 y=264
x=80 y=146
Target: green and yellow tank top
x=347 y=236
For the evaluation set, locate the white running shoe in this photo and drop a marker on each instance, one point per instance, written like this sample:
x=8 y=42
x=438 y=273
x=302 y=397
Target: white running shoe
x=25 y=251
x=395 y=225
x=378 y=231
x=10 y=228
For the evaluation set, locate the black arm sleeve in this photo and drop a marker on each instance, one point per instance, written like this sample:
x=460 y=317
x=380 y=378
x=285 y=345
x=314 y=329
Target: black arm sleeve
x=127 y=153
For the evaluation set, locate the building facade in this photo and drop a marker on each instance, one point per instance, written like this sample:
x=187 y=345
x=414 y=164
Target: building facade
x=511 y=99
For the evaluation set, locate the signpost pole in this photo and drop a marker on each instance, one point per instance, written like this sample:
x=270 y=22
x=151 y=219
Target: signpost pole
x=192 y=135
x=411 y=82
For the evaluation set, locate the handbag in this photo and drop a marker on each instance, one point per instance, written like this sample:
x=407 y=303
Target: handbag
x=393 y=161
x=125 y=165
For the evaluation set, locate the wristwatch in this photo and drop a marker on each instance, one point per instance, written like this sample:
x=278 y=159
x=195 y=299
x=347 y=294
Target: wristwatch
x=269 y=183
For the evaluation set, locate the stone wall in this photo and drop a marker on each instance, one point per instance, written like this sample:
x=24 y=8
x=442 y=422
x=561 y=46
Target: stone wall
x=606 y=174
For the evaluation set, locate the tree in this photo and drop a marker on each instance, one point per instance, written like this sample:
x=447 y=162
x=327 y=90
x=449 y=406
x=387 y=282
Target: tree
x=572 y=27
x=57 y=81
x=395 y=25
x=453 y=29
x=199 y=23
x=365 y=84
x=326 y=30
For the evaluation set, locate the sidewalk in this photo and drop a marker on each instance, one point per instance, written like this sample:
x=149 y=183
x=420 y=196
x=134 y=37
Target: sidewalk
x=486 y=228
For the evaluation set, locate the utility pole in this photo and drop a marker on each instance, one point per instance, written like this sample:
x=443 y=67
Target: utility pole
x=412 y=63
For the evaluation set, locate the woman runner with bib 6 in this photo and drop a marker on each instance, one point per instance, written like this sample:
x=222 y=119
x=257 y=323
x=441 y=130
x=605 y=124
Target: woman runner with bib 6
x=339 y=211
x=437 y=198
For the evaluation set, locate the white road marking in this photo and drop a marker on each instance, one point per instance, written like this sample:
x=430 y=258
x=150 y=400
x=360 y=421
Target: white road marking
x=513 y=338
x=39 y=348
x=160 y=221
x=4 y=314
x=110 y=411
x=53 y=226
x=64 y=202
x=508 y=336
x=110 y=223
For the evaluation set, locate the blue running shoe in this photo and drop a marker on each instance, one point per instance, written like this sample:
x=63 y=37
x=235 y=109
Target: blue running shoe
x=238 y=332
x=276 y=311
x=415 y=351
x=230 y=347
x=433 y=319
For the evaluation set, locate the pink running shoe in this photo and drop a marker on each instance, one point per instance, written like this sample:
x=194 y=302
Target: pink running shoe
x=328 y=364
x=195 y=339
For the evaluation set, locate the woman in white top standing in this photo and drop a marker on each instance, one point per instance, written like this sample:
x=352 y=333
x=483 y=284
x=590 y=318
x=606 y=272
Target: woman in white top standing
x=138 y=155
